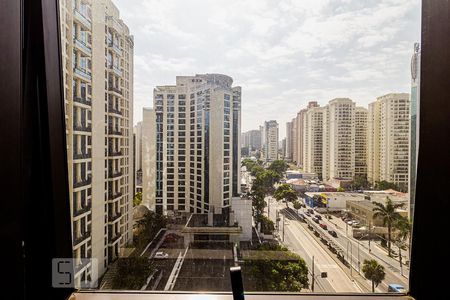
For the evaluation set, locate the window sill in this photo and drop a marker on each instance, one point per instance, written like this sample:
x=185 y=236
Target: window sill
x=138 y=295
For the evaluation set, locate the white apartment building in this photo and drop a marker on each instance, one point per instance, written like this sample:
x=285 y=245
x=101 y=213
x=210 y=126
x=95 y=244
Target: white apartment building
x=97 y=60
x=339 y=141
x=289 y=141
x=388 y=139
x=312 y=140
x=361 y=141
x=137 y=132
x=270 y=141
x=197 y=126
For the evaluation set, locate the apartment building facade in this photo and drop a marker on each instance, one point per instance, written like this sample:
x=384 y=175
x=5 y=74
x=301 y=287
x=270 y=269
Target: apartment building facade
x=252 y=140
x=313 y=140
x=339 y=142
x=270 y=140
x=198 y=141
x=97 y=61
x=361 y=142
x=289 y=141
x=389 y=139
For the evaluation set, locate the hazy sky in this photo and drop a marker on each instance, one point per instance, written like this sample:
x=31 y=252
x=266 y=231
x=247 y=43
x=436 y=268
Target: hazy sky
x=283 y=53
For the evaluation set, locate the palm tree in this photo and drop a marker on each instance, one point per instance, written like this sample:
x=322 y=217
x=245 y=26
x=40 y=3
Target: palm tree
x=374 y=272
x=403 y=228
x=389 y=215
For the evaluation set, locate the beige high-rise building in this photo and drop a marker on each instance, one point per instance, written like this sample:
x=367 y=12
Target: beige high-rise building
x=270 y=138
x=339 y=142
x=373 y=142
x=388 y=139
x=97 y=56
x=289 y=141
x=294 y=142
x=312 y=140
x=197 y=127
x=360 y=142
x=297 y=134
x=149 y=158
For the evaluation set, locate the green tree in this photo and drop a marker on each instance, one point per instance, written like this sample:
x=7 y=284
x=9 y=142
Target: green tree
x=150 y=224
x=285 y=191
x=385 y=185
x=374 y=272
x=297 y=205
x=132 y=273
x=267 y=225
x=137 y=199
x=258 y=204
x=278 y=166
x=360 y=183
x=265 y=182
x=288 y=273
x=387 y=212
x=403 y=227
x=340 y=189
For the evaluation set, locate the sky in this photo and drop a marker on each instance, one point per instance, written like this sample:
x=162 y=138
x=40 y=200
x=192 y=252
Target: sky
x=283 y=53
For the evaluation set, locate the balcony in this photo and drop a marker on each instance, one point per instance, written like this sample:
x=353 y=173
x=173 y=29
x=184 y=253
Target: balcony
x=81 y=127
x=114 y=131
x=114 y=24
x=114 y=174
x=114 y=217
x=82 y=46
x=82 y=100
x=81 y=155
x=82 y=73
x=114 y=196
x=113 y=239
x=87 y=181
x=83 y=209
x=115 y=153
x=113 y=110
x=82 y=19
x=82 y=237
x=115 y=69
x=115 y=89
x=115 y=47
x=82 y=264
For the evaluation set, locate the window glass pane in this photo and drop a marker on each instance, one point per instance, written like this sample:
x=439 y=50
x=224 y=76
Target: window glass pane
x=298 y=163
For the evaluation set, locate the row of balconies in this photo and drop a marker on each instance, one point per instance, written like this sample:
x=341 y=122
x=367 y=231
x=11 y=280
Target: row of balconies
x=82 y=182
x=84 y=208
x=78 y=238
x=82 y=155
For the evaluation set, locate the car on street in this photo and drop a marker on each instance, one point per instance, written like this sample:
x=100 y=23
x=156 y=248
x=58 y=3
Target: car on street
x=316 y=220
x=319 y=217
x=311 y=211
x=323 y=226
x=332 y=233
x=396 y=288
x=350 y=222
x=161 y=255
x=308 y=214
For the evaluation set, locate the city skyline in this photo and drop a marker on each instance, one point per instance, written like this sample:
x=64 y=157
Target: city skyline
x=358 y=51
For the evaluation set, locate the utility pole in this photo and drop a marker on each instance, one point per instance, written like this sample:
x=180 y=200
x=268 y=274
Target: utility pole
x=283 y=228
x=313 y=278
x=370 y=225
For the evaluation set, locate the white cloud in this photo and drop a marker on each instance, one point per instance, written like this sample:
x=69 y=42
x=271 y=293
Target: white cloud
x=283 y=53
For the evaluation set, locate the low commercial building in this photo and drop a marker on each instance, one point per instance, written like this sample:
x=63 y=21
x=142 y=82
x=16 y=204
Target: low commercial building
x=232 y=225
x=334 y=201
x=362 y=211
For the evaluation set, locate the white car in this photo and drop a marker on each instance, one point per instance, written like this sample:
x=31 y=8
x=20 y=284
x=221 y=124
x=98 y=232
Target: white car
x=350 y=222
x=161 y=255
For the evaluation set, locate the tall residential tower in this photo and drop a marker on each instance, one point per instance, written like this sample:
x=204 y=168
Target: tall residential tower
x=198 y=130
x=97 y=56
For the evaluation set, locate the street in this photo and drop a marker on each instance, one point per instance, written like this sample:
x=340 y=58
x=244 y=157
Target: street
x=299 y=240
